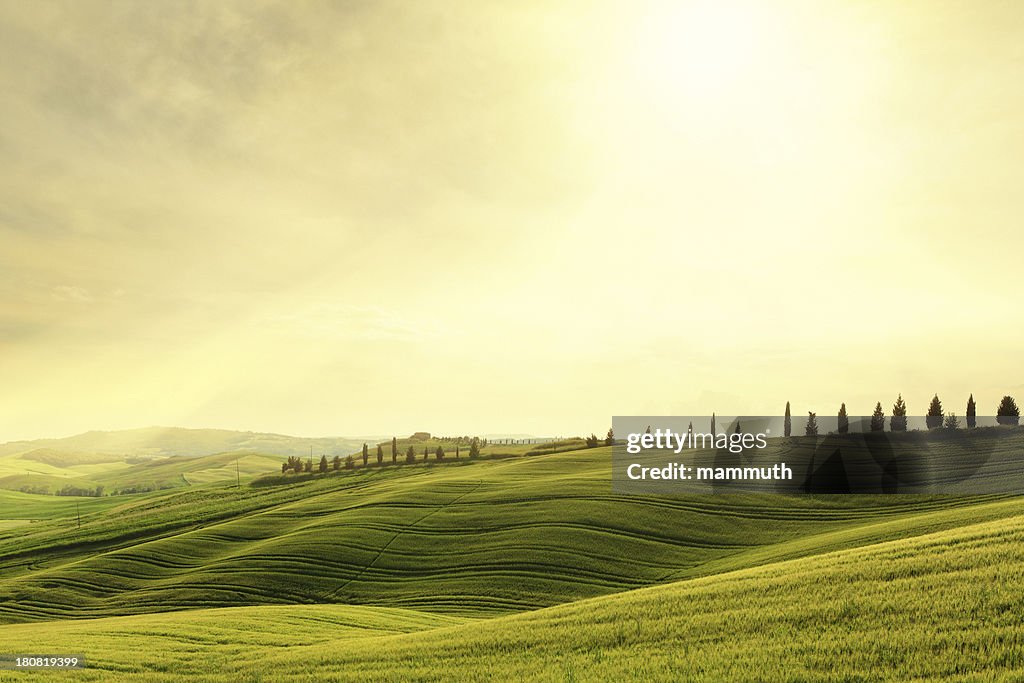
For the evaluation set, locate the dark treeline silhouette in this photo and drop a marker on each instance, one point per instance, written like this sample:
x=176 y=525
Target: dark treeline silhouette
x=460 y=440
x=70 y=490
x=1007 y=413
x=459 y=445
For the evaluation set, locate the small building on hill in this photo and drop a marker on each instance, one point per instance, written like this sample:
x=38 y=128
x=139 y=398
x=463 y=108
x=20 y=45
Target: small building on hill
x=420 y=436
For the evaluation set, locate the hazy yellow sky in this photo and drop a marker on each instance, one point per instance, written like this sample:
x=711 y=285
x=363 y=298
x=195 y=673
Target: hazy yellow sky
x=470 y=217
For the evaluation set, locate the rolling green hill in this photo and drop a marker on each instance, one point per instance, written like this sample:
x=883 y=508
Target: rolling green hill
x=474 y=539
x=946 y=605
x=122 y=459
x=163 y=441
x=440 y=544
x=179 y=470
x=150 y=475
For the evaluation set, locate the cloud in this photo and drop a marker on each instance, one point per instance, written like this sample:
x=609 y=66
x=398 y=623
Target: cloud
x=72 y=293
x=326 y=320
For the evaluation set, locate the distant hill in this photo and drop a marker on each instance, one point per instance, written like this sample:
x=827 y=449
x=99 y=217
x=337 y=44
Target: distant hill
x=50 y=456
x=167 y=441
x=153 y=458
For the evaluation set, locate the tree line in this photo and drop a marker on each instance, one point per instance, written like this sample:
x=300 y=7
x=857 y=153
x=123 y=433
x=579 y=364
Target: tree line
x=300 y=465
x=1007 y=413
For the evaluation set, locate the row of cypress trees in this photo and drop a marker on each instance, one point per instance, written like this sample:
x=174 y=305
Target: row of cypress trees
x=298 y=465
x=1006 y=414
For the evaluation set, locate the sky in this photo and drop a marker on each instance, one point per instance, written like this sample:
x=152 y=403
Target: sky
x=356 y=218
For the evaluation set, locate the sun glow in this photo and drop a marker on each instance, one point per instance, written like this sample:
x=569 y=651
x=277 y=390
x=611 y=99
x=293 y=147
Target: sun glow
x=309 y=218
x=705 y=49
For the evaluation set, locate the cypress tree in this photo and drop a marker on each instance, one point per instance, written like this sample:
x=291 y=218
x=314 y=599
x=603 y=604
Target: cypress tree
x=410 y=455
x=439 y=453
x=336 y=465
x=878 y=418
x=934 y=417
x=712 y=425
x=323 y=463
x=844 y=420
x=787 y=428
x=1008 y=413
x=349 y=463
x=380 y=455
x=898 y=422
x=972 y=420
x=426 y=453
x=609 y=440
x=474 y=448
x=812 y=424
x=394 y=451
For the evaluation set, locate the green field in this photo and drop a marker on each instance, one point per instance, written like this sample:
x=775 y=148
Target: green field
x=527 y=564
x=151 y=459
x=944 y=605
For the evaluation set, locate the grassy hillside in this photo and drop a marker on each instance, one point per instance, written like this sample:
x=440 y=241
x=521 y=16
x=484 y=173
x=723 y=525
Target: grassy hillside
x=150 y=475
x=473 y=539
x=122 y=459
x=17 y=505
x=18 y=466
x=181 y=470
x=43 y=484
x=943 y=605
x=215 y=637
x=285 y=575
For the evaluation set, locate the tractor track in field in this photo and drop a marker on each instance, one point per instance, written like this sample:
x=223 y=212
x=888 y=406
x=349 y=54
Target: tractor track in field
x=384 y=547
